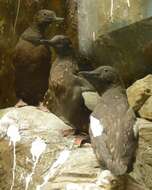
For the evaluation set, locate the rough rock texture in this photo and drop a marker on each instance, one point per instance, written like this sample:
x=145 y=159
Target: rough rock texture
x=140 y=98
x=32 y=123
x=146 y=109
x=143 y=166
x=72 y=21
x=90 y=99
x=139 y=92
x=79 y=171
x=7 y=92
x=126 y=54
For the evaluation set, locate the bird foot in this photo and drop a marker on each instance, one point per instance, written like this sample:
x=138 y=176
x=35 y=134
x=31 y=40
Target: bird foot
x=81 y=139
x=42 y=107
x=20 y=103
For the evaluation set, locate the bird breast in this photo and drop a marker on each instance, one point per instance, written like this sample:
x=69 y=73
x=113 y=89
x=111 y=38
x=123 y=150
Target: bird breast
x=26 y=54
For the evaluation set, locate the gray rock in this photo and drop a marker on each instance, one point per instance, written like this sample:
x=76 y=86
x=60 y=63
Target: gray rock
x=143 y=165
x=146 y=109
x=32 y=123
x=69 y=167
x=139 y=92
x=90 y=99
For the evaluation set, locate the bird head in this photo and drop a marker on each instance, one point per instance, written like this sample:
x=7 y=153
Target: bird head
x=46 y=17
x=62 y=45
x=102 y=78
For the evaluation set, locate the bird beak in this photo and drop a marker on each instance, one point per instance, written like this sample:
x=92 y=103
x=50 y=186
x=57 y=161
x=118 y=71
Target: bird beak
x=84 y=73
x=89 y=75
x=46 y=42
x=59 y=19
x=51 y=42
x=55 y=19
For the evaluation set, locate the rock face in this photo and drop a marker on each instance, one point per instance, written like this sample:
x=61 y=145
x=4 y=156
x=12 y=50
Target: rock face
x=7 y=92
x=72 y=21
x=146 y=109
x=31 y=126
x=41 y=143
x=143 y=166
x=126 y=54
x=140 y=97
x=49 y=128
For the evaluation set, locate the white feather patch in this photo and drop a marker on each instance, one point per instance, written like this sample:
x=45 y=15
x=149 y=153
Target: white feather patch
x=96 y=126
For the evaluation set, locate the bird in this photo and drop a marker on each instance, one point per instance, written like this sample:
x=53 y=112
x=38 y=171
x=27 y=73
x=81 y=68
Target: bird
x=32 y=59
x=111 y=122
x=64 y=96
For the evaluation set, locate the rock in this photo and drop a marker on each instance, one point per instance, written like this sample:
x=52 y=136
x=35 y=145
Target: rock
x=143 y=165
x=140 y=97
x=32 y=123
x=70 y=167
x=7 y=92
x=139 y=92
x=90 y=99
x=71 y=21
x=77 y=171
x=113 y=49
x=146 y=109
x=81 y=167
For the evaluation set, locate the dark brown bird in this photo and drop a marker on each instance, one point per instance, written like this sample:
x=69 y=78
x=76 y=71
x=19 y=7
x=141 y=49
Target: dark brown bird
x=64 y=97
x=112 y=121
x=32 y=58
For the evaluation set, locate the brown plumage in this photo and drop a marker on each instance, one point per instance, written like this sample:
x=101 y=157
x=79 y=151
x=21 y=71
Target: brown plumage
x=65 y=87
x=111 y=123
x=32 y=58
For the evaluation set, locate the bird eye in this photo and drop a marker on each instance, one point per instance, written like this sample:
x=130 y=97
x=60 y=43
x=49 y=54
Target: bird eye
x=105 y=70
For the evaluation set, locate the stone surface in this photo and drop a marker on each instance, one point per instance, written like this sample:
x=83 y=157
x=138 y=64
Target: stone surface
x=90 y=99
x=139 y=92
x=71 y=21
x=101 y=18
x=143 y=165
x=125 y=53
x=79 y=171
x=81 y=167
x=146 y=109
x=7 y=92
x=32 y=123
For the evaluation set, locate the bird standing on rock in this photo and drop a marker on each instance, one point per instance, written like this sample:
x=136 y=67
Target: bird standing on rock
x=31 y=59
x=64 y=96
x=111 y=122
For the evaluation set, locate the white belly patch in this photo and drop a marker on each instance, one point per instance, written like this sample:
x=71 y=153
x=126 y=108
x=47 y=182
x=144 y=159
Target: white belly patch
x=96 y=126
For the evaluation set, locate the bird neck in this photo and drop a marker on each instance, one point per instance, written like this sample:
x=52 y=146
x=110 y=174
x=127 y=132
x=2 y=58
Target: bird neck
x=66 y=54
x=115 y=91
x=40 y=28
